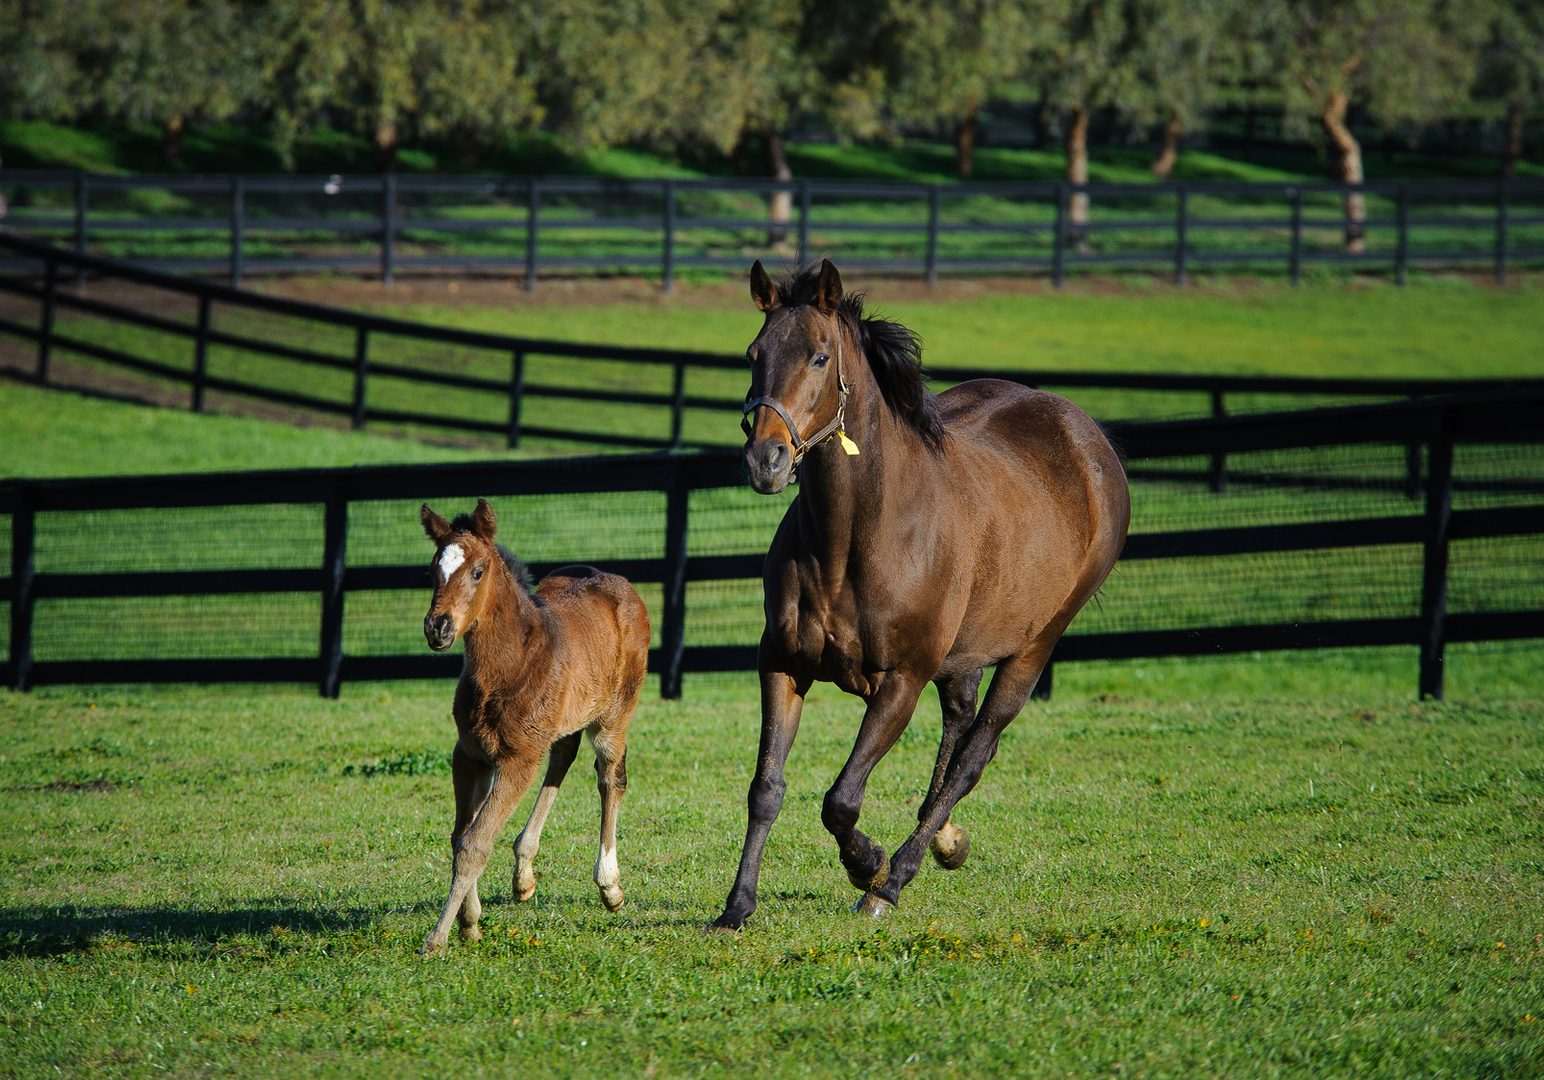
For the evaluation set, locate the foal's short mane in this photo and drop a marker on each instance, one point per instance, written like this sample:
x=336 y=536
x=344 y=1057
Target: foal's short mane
x=894 y=353
x=517 y=569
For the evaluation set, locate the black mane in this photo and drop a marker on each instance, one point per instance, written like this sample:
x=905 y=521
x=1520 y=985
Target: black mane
x=517 y=569
x=894 y=353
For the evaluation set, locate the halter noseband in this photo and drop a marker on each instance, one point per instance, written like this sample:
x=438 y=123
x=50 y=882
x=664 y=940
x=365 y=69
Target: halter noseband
x=834 y=427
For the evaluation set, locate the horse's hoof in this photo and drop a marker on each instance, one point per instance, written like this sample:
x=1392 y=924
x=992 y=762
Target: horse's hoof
x=524 y=894
x=611 y=896
x=725 y=924
x=950 y=846
x=875 y=907
x=874 y=880
x=471 y=933
x=433 y=946
x=524 y=884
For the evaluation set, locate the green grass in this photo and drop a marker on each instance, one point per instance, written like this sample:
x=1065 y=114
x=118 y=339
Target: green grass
x=1258 y=868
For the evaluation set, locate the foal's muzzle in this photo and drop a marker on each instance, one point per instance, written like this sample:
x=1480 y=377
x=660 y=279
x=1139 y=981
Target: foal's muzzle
x=769 y=465
x=439 y=631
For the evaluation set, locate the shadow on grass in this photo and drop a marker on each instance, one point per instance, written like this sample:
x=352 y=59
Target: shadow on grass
x=59 y=931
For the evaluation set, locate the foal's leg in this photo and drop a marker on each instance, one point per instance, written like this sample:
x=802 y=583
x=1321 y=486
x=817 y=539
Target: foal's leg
x=1015 y=678
x=475 y=844
x=559 y=757
x=611 y=780
x=958 y=698
x=782 y=702
x=889 y=711
x=472 y=778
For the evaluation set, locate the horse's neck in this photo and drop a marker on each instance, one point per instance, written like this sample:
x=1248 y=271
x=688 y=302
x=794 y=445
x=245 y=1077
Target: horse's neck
x=510 y=640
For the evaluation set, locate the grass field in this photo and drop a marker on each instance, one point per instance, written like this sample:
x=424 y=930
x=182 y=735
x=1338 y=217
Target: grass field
x=1171 y=874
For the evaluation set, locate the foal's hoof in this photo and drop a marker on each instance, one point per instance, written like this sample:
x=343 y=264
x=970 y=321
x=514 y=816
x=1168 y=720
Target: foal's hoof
x=471 y=933
x=875 y=907
x=524 y=892
x=873 y=880
x=950 y=846
x=433 y=946
x=611 y=896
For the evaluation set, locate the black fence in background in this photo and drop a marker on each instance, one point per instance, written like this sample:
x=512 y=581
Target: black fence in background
x=528 y=226
x=178 y=351
x=322 y=544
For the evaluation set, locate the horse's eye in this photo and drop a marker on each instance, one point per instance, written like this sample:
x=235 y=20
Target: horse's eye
x=820 y=359
x=477 y=573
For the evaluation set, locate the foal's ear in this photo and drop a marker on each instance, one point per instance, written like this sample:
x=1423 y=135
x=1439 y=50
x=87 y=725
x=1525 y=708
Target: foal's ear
x=484 y=523
x=828 y=287
x=762 y=289
x=435 y=527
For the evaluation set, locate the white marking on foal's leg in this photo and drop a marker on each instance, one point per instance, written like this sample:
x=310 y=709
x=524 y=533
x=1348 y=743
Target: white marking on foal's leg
x=608 y=878
x=450 y=560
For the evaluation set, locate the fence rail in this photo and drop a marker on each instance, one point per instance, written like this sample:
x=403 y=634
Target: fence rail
x=1428 y=530
x=393 y=224
x=509 y=402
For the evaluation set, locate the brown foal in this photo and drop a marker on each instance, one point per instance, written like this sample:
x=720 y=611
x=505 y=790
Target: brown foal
x=540 y=669
x=933 y=535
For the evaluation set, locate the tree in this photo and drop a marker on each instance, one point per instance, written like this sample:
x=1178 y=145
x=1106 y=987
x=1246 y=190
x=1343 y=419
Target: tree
x=947 y=58
x=1403 y=61
x=1511 y=69
x=1184 y=51
x=40 y=52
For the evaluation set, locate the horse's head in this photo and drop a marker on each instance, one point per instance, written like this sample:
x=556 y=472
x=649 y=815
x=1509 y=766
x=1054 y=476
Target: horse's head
x=464 y=561
x=798 y=388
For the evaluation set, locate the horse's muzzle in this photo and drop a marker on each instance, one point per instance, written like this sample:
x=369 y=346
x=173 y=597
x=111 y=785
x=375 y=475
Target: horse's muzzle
x=769 y=465
x=439 y=632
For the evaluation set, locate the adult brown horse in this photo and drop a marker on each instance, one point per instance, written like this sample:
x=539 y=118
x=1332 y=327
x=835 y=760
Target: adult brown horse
x=932 y=536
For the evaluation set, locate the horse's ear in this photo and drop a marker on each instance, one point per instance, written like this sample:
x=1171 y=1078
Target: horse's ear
x=828 y=287
x=762 y=289
x=435 y=527
x=484 y=523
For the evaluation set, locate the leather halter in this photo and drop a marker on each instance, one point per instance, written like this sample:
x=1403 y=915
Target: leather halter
x=802 y=446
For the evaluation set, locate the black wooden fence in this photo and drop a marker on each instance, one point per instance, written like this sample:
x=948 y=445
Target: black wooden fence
x=533 y=225
x=1462 y=504
x=44 y=285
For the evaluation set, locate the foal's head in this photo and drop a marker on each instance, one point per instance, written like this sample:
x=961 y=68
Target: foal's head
x=466 y=561
x=801 y=366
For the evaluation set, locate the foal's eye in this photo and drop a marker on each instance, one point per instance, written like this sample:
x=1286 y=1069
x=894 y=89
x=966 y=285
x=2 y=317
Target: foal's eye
x=820 y=359
x=477 y=573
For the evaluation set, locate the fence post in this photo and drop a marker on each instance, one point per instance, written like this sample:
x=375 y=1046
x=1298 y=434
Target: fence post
x=23 y=574
x=334 y=568
x=804 y=221
x=201 y=353
x=673 y=630
x=238 y=227
x=1439 y=513
x=1503 y=203
x=533 y=210
x=1295 y=252
x=516 y=394
x=46 y=321
x=667 y=270
x=678 y=403
x=1219 y=461
x=1402 y=244
x=930 y=265
x=361 y=370
x=388 y=227
x=1059 y=239
x=1181 y=236
x=82 y=201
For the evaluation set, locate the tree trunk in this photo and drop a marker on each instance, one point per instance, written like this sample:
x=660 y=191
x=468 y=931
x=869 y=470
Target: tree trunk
x=965 y=144
x=1077 y=173
x=1346 y=166
x=1514 y=140
x=780 y=205
x=171 y=140
x=386 y=145
x=1168 y=154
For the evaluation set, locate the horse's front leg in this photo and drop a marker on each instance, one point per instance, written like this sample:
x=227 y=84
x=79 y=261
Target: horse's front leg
x=782 y=702
x=472 y=779
x=889 y=711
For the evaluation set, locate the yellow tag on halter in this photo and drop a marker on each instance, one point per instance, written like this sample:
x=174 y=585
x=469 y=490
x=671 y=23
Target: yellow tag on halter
x=848 y=446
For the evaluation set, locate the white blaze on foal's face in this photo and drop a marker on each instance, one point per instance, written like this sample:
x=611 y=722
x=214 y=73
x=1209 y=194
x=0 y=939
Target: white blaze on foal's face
x=450 y=561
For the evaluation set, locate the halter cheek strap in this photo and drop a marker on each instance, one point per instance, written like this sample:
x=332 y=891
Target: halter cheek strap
x=836 y=426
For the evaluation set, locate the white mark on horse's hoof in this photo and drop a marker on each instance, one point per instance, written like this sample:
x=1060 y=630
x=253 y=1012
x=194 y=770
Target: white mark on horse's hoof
x=873 y=906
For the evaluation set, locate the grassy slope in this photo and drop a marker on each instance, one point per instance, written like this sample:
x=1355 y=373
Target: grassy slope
x=1167 y=883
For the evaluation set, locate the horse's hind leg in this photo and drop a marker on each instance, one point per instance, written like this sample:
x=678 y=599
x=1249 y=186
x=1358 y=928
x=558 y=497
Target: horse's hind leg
x=958 y=698
x=559 y=757
x=1015 y=678
x=611 y=780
